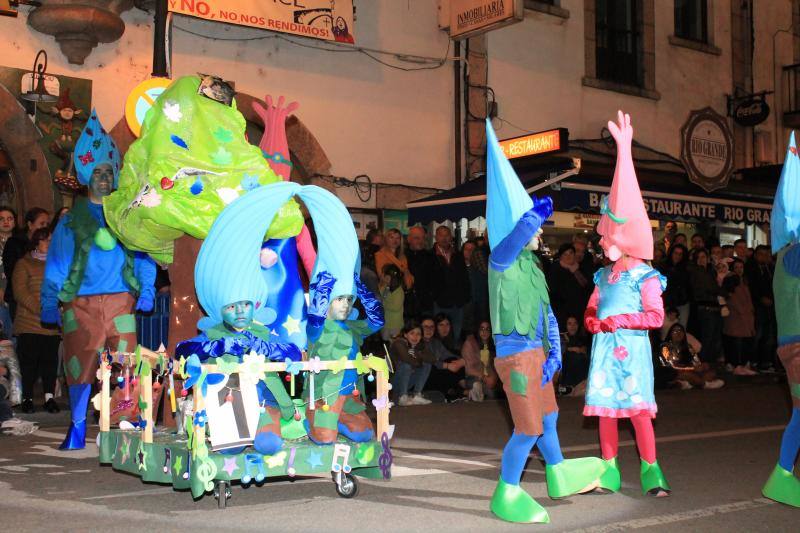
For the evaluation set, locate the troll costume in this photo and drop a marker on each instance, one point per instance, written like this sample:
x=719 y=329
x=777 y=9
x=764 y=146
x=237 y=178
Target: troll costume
x=528 y=346
x=335 y=401
x=94 y=277
x=232 y=289
x=625 y=304
x=783 y=486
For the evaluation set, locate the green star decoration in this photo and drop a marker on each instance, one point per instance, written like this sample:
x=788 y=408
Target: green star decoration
x=178 y=466
x=141 y=456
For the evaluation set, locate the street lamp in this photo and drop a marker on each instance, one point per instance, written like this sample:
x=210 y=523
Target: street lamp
x=38 y=72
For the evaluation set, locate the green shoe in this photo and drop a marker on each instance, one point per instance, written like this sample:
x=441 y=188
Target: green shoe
x=611 y=479
x=653 y=480
x=513 y=504
x=782 y=486
x=574 y=476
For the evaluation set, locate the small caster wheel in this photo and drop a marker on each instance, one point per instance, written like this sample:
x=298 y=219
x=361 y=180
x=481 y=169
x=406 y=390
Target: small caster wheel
x=346 y=485
x=222 y=493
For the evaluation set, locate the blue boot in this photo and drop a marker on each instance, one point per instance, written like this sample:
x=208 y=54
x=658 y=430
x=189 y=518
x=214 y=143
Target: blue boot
x=78 y=402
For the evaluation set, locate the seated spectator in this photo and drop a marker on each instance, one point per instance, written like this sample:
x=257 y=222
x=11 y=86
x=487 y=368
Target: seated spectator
x=671 y=317
x=391 y=291
x=739 y=326
x=412 y=362
x=447 y=374
x=444 y=332
x=574 y=356
x=478 y=355
x=680 y=351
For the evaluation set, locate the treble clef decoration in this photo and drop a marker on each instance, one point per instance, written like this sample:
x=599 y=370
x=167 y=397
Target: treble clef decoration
x=205 y=471
x=385 y=459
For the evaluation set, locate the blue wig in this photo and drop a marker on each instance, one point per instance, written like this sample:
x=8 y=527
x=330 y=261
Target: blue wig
x=95 y=147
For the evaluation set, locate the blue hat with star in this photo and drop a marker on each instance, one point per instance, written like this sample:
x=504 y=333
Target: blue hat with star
x=785 y=219
x=506 y=198
x=95 y=147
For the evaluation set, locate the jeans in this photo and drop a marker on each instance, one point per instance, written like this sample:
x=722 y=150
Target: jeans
x=710 y=322
x=456 y=315
x=407 y=377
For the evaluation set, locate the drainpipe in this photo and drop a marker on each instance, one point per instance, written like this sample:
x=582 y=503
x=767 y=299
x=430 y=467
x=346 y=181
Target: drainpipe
x=159 y=40
x=457 y=110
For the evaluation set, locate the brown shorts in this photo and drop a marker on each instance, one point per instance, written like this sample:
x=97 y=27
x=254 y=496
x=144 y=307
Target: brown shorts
x=528 y=401
x=790 y=357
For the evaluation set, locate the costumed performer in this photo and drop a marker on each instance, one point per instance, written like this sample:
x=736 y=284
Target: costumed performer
x=335 y=402
x=783 y=486
x=625 y=304
x=231 y=288
x=525 y=329
x=94 y=277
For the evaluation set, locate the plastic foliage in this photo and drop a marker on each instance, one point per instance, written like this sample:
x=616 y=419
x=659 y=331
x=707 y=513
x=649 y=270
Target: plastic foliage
x=190 y=162
x=785 y=219
x=506 y=198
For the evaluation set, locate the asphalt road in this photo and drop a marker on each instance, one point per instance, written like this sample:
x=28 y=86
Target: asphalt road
x=716 y=448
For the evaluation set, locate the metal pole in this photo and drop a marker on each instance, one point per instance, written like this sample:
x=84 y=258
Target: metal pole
x=457 y=110
x=159 y=37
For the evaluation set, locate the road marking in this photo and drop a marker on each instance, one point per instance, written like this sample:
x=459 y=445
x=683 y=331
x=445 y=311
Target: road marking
x=444 y=459
x=660 y=520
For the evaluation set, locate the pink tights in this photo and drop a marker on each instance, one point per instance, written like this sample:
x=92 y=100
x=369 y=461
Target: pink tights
x=645 y=437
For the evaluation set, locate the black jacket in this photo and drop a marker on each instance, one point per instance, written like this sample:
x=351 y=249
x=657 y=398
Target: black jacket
x=452 y=288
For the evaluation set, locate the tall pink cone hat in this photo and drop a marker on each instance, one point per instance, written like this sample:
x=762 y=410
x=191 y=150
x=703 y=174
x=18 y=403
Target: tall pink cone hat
x=624 y=225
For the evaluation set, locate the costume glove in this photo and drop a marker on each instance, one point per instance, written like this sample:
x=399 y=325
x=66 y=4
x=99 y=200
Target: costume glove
x=144 y=304
x=549 y=368
x=51 y=316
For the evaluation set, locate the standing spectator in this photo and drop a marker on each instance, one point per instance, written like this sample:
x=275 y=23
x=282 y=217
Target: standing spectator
x=716 y=254
x=739 y=326
x=670 y=229
x=478 y=353
x=452 y=290
x=569 y=287
x=759 y=273
x=17 y=246
x=392 y=253
x=706 y=293
x=680 y=238
x=727 y=251
x=374 y=236
x=447 y=374
x=583 y=256
x=412 y=362
x=369 y=273
x=740 y=249
x=37 y=346
x=698 y=243
x=479 y=278
x=574 y=355
x=8 y=220
x=61 y=212
x=659 y=254
x=422 y=265
x=391 y=291
x=678 y=287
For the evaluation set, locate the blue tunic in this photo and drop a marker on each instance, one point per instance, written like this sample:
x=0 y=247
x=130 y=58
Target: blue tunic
x=620 y=381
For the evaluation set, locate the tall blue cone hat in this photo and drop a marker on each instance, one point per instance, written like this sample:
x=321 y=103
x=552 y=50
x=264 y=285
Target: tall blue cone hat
x=228 y=267
x=506 y=198
x=95 y=147
x=785 y=218
x=337 y=242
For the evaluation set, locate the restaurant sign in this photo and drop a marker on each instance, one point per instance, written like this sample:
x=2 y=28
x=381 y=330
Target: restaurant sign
x=318 y=19
x=707 y=149
x=536 y=143
x=473 y=17
x=663 y=206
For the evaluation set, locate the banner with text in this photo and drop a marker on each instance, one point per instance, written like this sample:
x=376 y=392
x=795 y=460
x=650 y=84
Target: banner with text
x=318 y=19
x=674 y=207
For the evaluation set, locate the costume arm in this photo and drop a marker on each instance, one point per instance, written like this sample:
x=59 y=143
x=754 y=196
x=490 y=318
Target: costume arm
x=791 y=261
x=653 y=315
x=276 y=351
x=318 y=308
x=144 y=268
x=372 y=306
x=59 y=261
x=590 y=319
x=504 y=254
x=23 y=295
x=553 y=362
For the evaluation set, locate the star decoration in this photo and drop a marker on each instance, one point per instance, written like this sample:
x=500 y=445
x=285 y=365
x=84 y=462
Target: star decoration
x=178 y=466
x=292 y=325
x=314 y=459
x=125 y=448
x=142 y=457
x=172 y=110
x=276 y=460
x=230 y=465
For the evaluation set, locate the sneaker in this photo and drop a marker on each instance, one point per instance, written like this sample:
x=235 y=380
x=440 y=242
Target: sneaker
x=27 y=406
x=744 y=370
x=714 y=384
x=685 y=385
x=476 y=392
x=51 y=406
x=729 y=368
x=419 y=399
x=767 y=370
x=405 y=400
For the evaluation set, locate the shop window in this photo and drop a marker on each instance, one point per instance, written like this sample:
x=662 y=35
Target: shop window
x=618 y=34
x=691 y=20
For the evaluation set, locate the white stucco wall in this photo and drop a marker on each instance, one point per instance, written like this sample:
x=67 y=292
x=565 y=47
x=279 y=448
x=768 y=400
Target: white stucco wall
x=536 y=68
x=395 y=126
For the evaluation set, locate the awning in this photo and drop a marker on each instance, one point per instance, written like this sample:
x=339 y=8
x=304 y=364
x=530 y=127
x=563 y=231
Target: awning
x=468 y=200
